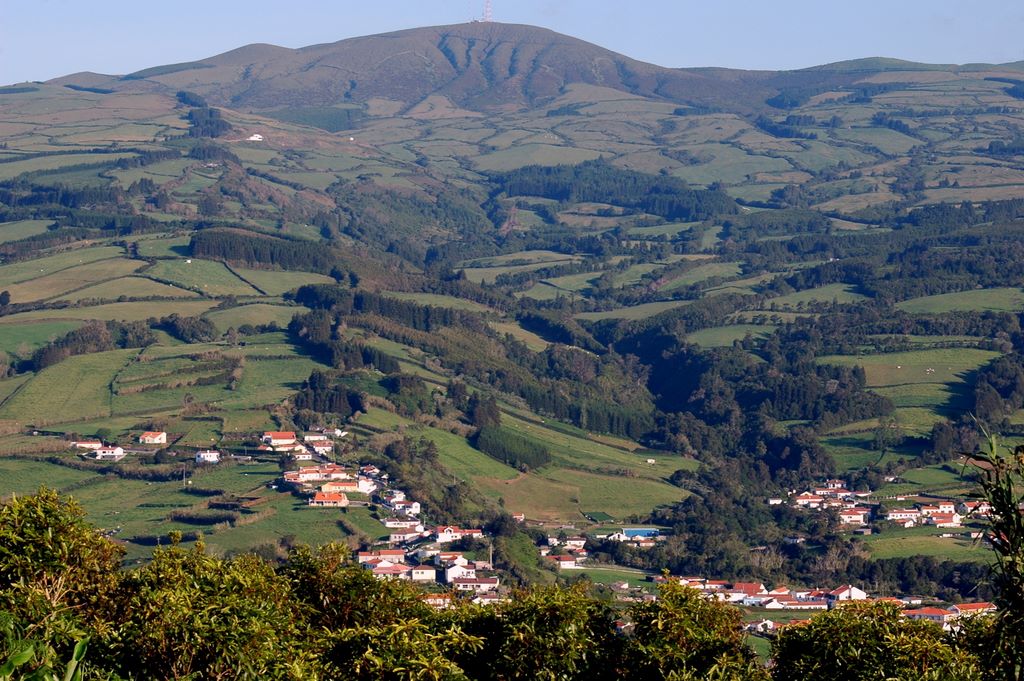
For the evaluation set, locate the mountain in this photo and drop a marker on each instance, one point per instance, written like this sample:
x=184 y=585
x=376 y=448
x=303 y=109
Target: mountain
x=478 y=66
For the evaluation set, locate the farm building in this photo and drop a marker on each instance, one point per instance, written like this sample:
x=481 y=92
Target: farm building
x=152 y=437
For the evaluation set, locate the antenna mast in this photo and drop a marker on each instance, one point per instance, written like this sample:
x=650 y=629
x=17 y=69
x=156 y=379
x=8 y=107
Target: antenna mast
x=488 y=14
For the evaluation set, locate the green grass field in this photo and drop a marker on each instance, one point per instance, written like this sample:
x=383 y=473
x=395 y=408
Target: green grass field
x=72 y=279
x=258 y=313
x=77 y=388
x=701 y=273
x=438 y=300
x=22 y=229
x=840 y=293
x=131 y=287
x=23 y=339
x=122 y=311
x=164 y=247
x=642 y=311
x=924 y=541
x=275 y=283
x=724 y=336
x=532 y=340
x=996 y=299
x=42 y=267
x=925 y=385
x=209 y=277
x=25 y=477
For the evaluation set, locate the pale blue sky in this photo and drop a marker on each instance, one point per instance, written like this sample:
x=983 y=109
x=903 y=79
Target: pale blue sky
x=42 y=39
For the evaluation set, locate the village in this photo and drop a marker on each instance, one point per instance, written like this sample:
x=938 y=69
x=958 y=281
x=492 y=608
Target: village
x=451 y=562
x=857 y=510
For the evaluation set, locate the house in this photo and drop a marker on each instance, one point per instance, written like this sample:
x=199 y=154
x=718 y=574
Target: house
x=946 y=507
x=975 y=508
x=450 y=533
x=315 y=437
x=322 y=448
x=783 y=603
x=365 y=485
x=945 y=519
x=835 y=484
x=446 y=557
x=384 y=554
x=387 y=571
x=402 y=523
x=423 y=573
x=908 y=523
x=302 y=455
x=488 y=598
x=456 y=571
x=109 y=453
x=279 y=438
x=847 y=593
x=575 y=542
x=403 y=536
x=340 y=486
x=519 y=517
x=564 y=562
x=937 y=615
x=854 y=516
x=151 y=437
x=438 y=601
x=207 y=456
x=808 y=500
x=255 y=137
x=969 y=609
x=476 y=584
x=749 y=588
x=897 y=514
x=86 y=444
x=775 y=501
x=406 y=507
x=329 y=500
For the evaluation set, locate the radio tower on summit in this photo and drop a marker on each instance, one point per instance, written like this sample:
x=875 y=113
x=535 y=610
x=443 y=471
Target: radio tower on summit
x=488 y=14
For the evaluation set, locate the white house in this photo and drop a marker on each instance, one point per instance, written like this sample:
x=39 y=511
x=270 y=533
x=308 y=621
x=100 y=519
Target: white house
x=847 y=593
x=276 y=438
x=255 y=137
x=424 y=573
x=109 y=454
x=450 y=533
x=87 y=444
x=151 y=437
x=207 y=456
x=476 y=584
x=456 y=571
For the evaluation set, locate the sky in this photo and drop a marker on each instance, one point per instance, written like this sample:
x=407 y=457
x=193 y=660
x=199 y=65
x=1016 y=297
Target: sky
x=43 y=39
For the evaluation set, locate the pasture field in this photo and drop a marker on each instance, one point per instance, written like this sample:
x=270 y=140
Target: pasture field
x=533 y=154
x=995 y=299
x=607 y=492
x=131 y=287
x=15 y=168
x=701 y=273
x=532 y=340
x=205 y=276
x=269 y=381
x=77 y=388
x=519 y=257
x=925 y=541
x=925 y=385
x=456 y=455
x=669 y=229
x=41 y=267
x=933 y=366
x=129 y=312
x=24 y=476
x=72 y=279
x=853 y=452
x=487 y=275
x=572 y=447
x=164 y=247
x=438 y=300
x=274 y=282
x=255 y=314
x=840 y=293
x=608 y=575
x=22 y=339
x=724 y=336
x=8 y=386
x=22 y=229
x=642 y=311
